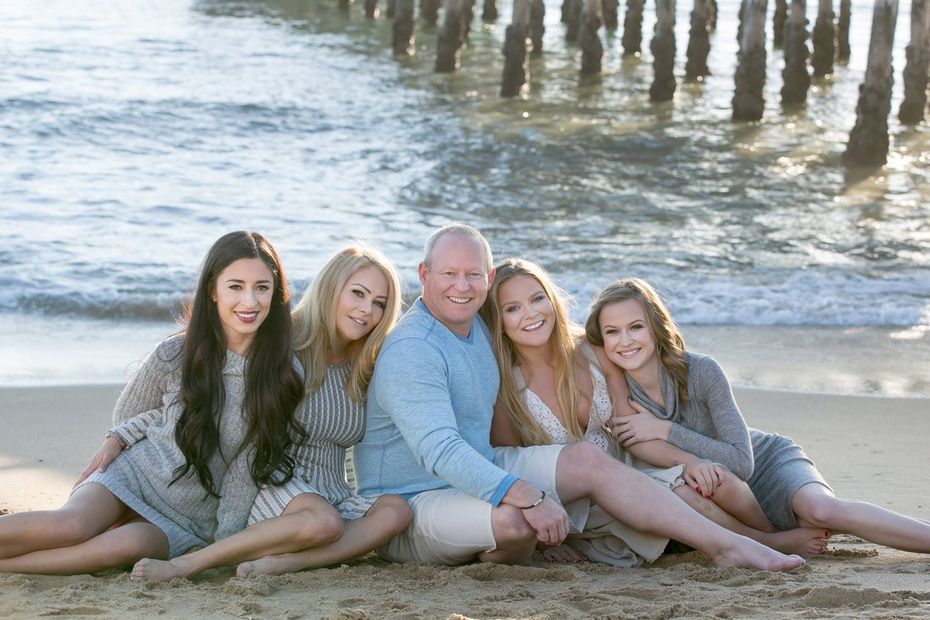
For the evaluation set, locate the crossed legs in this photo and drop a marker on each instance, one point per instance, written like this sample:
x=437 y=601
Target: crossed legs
x=77 y=538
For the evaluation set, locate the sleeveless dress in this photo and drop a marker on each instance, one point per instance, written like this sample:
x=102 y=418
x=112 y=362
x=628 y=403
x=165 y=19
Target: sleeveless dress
x=600 y=537
x=333 y=423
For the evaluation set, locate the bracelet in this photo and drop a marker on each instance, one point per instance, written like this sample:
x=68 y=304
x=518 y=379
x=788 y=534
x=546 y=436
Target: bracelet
x=534 y=504
x=122 y=442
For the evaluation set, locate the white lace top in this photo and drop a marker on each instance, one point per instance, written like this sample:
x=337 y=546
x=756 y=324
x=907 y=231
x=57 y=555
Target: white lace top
x=550 y=424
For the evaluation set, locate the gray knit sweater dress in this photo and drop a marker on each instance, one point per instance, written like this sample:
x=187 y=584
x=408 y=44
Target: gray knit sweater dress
x=141 y=476
x=711 y=426
x=333 y=423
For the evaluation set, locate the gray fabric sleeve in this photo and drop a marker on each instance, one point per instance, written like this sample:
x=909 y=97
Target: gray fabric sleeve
x=731 y=447
x=141 y=401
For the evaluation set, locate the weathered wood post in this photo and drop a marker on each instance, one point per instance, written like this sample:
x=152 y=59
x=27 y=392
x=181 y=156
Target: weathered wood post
x=609 y=8
x=429 y=11
x=592 y=51
x=823 y=37
x=632 y=40
x=797 y=80
x=778 y=22
x=918 y=58
x=698 y=43
x=573 y=20
x=663 y=52
x=489 y=11
x=451 y=36
x=748 y=102
x=516 y=39
x=842 y=34
x=537 y=25
x=402 y=33
x=468 y=16
x=868 y=140
x=371 y=8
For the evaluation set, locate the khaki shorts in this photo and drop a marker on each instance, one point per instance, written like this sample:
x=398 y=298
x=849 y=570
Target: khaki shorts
x=452 y=527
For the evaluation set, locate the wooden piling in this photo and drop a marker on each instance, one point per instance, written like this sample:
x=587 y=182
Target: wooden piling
x=403 y=38
x=632 y=40
x=842 y=31
x=823 y=38
x=796 y=79
x=537 y=25
x=778 y=23
x=516 y=77
x=610 y=8
x=592 y=50
x=371 y=9
x=918 y=59
x=868 y=140
x=663 y=52
x=698 y=43
x=429 y=11
x=573 y=20
x=451 y=36
x=489 y=11
x=748 y=100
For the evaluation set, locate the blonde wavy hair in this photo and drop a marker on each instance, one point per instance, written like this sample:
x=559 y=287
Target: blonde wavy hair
x=315 y=319
x=565 y=338
x=670 y=344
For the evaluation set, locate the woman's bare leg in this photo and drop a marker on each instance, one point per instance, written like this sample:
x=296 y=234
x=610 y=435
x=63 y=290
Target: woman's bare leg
x=307 y=521
x=802 y=541
x=388 y=516
x=583 y=470
x=814 y=505
x=736 y=498
x=114 y=548
x=90 y=510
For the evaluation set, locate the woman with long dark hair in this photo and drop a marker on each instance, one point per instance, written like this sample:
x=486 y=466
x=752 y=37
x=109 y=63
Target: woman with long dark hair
x=314 y=519
x=207 y=418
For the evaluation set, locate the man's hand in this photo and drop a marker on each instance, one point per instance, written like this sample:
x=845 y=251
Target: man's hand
x=549 y=520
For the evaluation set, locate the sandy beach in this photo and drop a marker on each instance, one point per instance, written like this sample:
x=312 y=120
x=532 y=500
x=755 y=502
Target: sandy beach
x=868 y=447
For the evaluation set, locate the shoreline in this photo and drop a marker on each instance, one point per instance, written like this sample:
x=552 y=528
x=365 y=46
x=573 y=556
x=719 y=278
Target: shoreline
x=879 y=361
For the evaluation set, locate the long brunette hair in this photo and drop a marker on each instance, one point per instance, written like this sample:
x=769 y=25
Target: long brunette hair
x=670 y=344
x=273 y=386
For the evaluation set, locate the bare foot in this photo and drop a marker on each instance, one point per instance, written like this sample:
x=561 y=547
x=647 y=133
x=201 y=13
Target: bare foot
x=268 y=565
x=747 y=553
x=148 y=569
x=562 y=554
x=805 y=541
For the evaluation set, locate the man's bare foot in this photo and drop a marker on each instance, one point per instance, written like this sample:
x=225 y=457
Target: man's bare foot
x=268 y=565
x=804 y=541
x=747 y=553
x=148 y=569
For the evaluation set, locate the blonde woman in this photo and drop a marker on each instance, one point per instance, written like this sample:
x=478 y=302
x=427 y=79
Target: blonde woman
x=314 y=519
x=553 y=391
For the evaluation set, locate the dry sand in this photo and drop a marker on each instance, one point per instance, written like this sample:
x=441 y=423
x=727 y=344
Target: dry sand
x=868 y=448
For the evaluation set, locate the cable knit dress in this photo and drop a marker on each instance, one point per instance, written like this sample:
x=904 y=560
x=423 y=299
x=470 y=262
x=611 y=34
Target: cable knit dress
x=141 y=476
x=334 y=423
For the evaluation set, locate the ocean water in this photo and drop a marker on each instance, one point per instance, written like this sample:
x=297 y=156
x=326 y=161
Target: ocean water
x=133 y=133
